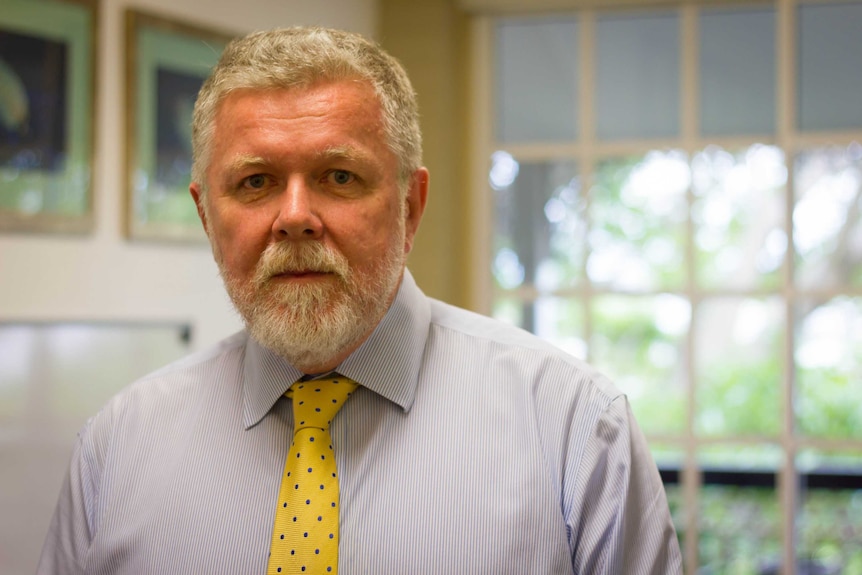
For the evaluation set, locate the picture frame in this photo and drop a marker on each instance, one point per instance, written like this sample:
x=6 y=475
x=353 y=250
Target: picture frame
x=47 y=111
x=166 y=64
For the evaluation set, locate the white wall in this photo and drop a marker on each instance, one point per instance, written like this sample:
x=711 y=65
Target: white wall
x=102 y=276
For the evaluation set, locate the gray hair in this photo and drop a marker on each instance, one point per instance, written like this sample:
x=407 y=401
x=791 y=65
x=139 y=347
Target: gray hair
x=301 y=56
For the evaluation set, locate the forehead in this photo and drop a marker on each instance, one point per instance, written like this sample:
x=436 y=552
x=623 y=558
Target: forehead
x=322 y=95
x=344 y=108
x=335 y=118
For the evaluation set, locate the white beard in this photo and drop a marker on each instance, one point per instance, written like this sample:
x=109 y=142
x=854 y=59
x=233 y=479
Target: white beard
x=311 y=325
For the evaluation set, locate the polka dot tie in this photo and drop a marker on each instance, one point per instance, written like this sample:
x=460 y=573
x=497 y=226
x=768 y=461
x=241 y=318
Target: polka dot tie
x=305 y=534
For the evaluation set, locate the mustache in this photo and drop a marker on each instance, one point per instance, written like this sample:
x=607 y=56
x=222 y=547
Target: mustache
x=284 y=257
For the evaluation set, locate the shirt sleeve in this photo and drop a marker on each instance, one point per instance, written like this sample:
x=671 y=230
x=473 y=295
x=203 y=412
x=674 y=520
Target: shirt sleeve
x=618 y=516
x=72 y=525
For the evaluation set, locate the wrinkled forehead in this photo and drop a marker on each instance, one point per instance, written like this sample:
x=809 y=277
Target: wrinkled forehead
x=351 y=85
x=322 y=98
x=326 y=123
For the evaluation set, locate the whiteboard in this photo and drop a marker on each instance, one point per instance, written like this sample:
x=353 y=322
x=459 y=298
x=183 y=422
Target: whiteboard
x=53 y=376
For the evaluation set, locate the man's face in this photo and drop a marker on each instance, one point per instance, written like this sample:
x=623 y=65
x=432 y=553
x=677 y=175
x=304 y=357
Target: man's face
x=305 y=216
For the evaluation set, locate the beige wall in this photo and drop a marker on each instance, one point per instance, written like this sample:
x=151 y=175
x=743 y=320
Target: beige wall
x=430 y=38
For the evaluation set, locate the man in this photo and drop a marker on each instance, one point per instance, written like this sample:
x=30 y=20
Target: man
x=466 y=446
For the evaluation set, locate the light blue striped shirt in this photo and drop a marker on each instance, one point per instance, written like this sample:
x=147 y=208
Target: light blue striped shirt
x=471 y=447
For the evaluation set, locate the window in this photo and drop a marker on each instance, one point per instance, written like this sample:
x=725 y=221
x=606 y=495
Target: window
x=675 y=195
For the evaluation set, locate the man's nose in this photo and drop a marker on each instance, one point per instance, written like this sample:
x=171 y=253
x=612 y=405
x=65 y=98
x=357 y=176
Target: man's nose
x=297 y=217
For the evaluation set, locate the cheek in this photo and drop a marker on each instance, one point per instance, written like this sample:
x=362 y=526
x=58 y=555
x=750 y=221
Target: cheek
x=387 y=230
x=362 y=247
x=240 y=245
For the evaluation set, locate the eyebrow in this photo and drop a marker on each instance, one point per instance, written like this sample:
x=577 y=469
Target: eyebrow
x=238 y=165
x=243 y=162
x=348 y=153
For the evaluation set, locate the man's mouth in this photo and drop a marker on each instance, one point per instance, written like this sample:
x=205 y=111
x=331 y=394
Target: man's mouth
x=301 y=274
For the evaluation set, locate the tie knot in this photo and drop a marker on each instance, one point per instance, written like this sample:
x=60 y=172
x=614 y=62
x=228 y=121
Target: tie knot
x=316 y=402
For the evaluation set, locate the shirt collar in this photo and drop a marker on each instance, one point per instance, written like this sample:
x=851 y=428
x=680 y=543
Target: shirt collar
x=387 y=363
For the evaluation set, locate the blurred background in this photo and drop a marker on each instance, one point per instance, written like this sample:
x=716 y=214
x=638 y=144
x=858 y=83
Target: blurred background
x=669 y=190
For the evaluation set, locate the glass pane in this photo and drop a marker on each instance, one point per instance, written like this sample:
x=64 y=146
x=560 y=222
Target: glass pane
x=537 y=80
x=737 y=72
x=558 y=320
x=638 y=212
x=738 y=344
x=676 y=503
x=640 y=343
x=669 y=460
x=828 y=359
x=561 y=321
x=830 y=79
x=540 y=228
x=829 y=522
x=738 y=214
x=637 y=75
x=509 y=308
x=740 y=521
x=827 y=217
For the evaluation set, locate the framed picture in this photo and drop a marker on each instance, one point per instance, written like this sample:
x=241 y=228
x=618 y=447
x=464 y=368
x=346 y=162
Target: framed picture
x=167 y=62
x=47 y=87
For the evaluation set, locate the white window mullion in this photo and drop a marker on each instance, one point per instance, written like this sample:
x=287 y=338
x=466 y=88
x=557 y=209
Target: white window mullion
x=586 y=140
x=785 y=114
x=691 y=477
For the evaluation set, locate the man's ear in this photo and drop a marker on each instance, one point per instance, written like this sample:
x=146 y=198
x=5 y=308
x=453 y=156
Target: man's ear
x=417 y=195
x=197 y=195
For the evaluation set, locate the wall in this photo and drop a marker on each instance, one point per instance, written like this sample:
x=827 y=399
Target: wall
x=102 y=276
x=430 y=38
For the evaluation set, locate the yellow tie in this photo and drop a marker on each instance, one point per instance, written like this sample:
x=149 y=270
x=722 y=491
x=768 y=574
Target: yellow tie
x=305 y=534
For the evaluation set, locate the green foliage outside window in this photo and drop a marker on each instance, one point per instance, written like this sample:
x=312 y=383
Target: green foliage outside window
x=640 y=337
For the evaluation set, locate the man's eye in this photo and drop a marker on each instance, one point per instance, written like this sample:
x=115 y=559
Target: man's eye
x=341 y=177
x=256 y=181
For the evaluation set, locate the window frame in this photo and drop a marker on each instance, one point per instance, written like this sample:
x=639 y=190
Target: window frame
x=587 y=151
